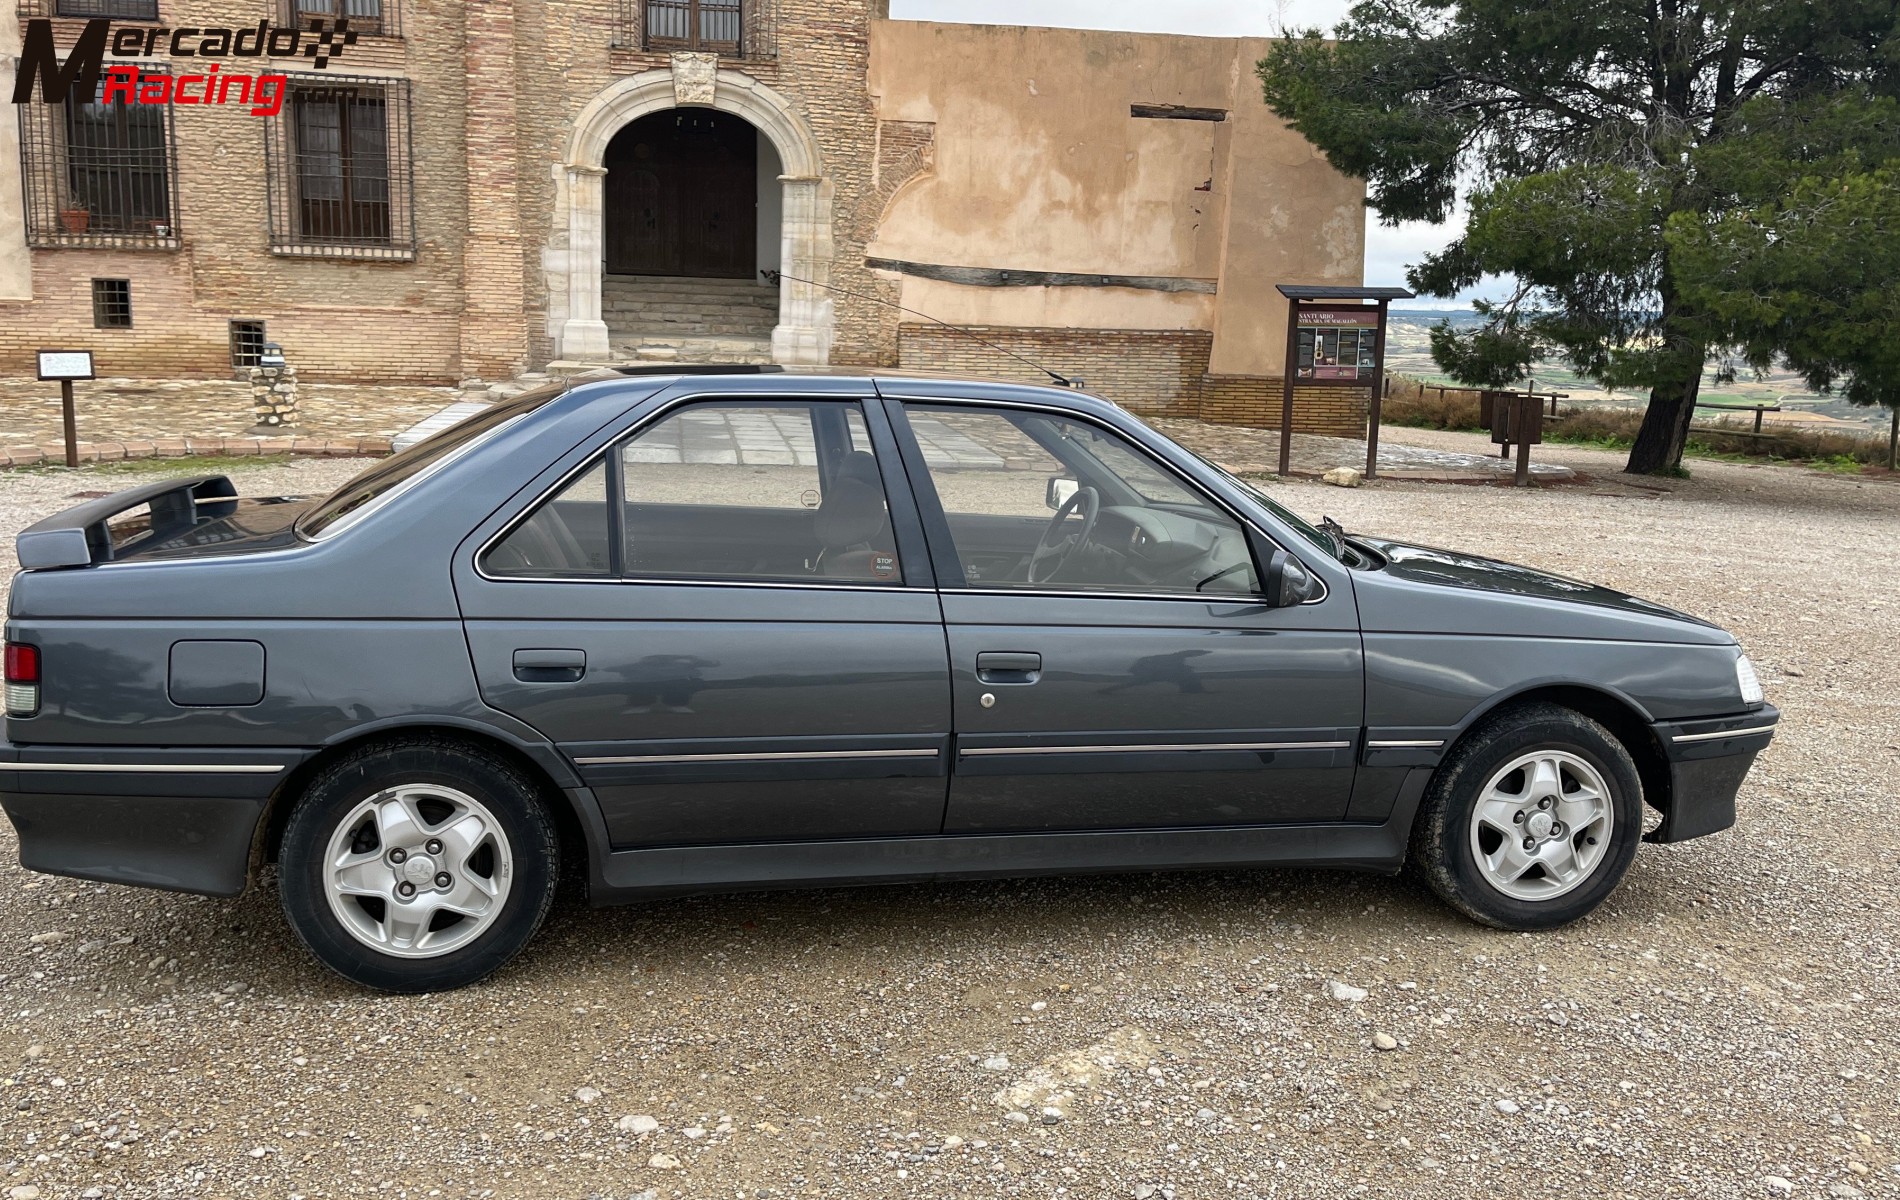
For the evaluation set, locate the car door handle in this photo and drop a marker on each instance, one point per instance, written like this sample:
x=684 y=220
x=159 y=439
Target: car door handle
x=550 y=666
x=1008 y=666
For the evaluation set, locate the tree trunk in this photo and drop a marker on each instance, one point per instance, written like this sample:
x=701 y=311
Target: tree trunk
x=1665 y=429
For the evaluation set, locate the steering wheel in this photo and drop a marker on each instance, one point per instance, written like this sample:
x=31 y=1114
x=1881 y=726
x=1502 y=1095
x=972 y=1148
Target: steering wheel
x=1052 y=554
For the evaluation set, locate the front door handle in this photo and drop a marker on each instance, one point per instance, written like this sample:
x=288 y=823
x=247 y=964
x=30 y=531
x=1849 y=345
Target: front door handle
x=550 y=665
x=1008 y=666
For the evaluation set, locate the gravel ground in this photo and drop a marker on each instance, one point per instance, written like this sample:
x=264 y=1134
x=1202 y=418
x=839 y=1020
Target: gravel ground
x=1724 y=1026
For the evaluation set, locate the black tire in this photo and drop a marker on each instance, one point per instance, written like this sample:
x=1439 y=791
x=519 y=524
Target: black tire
x=506 y=794
x=1442 y=852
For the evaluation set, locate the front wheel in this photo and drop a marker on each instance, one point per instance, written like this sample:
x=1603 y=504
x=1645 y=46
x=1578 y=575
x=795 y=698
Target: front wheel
x=1532 y=821
x=418 y=866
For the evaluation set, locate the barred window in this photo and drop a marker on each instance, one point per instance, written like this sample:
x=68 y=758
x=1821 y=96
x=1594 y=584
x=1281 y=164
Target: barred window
x=112 y=303
x=339 y=169
x=247 y=343
x=740 y=28
x=98 y=173
x=123 y=10
x=365 y=16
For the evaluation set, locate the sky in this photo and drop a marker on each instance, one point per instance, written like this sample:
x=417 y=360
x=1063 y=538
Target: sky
x=1388 y=249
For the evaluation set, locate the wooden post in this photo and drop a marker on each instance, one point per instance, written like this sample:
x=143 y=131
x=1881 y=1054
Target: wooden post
x=1759 y=410
x=66 y=412
x=1286 y=398
x=1893 y=439
x=1522 y=416
x=1378 y=398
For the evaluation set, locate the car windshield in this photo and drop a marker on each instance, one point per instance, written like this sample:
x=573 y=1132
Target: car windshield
x=398 y=470
x=1320 y=538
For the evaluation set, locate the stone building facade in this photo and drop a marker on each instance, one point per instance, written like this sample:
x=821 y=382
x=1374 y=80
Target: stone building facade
x=481 y=187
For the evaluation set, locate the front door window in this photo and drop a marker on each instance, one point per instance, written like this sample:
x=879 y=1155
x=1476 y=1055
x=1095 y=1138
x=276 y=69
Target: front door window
x=1046 y=503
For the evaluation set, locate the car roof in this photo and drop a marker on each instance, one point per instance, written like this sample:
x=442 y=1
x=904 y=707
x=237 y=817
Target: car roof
x=908 y=384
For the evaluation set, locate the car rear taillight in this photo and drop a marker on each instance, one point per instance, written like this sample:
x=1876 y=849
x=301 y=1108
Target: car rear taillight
x=23 y=679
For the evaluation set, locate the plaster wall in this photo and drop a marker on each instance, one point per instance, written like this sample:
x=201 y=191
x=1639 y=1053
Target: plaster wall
x=1040 y=165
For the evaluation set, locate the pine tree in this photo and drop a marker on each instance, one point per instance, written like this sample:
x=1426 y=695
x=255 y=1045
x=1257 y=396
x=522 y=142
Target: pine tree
x=1593 y=134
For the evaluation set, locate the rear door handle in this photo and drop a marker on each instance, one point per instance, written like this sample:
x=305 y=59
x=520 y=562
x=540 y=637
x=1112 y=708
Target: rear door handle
x=1008 y=666
x=550 y=665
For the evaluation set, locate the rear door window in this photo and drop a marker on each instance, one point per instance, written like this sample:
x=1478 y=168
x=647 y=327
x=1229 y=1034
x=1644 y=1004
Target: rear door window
x=725 y=492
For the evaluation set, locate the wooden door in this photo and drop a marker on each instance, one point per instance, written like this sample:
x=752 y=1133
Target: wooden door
x=682 y=196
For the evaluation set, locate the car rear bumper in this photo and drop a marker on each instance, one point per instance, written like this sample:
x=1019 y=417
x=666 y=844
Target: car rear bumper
x=1708 y=759
x=179 y=819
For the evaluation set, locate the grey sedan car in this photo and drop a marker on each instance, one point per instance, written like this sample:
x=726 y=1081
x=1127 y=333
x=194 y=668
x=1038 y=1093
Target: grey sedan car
x=716 y=631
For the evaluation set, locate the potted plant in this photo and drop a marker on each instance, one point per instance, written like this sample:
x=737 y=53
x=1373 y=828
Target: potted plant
x=75 y=219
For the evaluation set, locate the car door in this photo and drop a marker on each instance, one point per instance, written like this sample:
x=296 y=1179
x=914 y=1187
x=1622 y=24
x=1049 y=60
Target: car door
x=1125 y=690
x=726 y=623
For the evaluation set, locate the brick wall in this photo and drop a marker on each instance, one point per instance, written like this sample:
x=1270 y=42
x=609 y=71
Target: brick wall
x=338 y=319
x=1153 y=372
x=1256 y=401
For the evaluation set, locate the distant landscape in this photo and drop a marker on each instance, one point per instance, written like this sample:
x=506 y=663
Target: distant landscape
x=1408 y=352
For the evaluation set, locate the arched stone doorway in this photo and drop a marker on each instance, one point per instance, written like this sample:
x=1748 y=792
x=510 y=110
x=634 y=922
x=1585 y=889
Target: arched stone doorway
x=581 y=247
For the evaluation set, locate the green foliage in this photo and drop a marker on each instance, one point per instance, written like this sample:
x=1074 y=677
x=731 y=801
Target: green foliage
x=1807 y=269
x=1598 y=135
x=1495 y=356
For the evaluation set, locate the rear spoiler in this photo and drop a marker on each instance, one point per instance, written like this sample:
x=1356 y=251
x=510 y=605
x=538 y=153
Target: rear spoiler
x=79 y=537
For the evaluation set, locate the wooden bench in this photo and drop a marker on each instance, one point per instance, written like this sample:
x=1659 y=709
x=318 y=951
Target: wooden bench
x=1757 y=409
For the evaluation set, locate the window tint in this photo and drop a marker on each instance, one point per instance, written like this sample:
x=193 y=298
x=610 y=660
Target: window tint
x=397 y=470
x=567 y=536
x=1048 y=503
x=786 y=492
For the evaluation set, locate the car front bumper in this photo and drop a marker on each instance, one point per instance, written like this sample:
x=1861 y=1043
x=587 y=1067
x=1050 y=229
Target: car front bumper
x=179 y=819
x=1708 y=759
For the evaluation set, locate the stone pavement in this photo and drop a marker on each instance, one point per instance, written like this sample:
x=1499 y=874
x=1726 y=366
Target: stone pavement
x=138 y=412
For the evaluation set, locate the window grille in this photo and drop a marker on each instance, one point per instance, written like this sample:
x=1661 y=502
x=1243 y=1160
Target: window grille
x=121 y=10
x=382 y=17
x=738 y=28
x=99 y=174
x=247 y=342
x=339 y=169
x=112 y=303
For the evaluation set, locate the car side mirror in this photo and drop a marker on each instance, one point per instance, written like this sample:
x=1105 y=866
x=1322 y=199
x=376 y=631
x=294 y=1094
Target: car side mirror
x=1288 y=583
x=1058 y=492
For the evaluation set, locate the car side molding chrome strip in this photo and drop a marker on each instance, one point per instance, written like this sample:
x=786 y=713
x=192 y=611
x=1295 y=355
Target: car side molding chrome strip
x=1407 y=744
x=760 y=756
x=1166 y=747
x=1718 y=734
x=150 y=768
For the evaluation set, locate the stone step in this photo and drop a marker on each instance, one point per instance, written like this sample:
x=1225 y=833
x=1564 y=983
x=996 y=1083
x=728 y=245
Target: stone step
x=646 y=300
x=712 y=290
x=710 y=283
x=641 y=331
x=686 y=310
x=755 y=299
x=712 y=349
x=677 y=316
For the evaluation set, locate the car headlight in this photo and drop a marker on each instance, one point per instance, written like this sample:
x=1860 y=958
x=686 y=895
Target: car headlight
x=1748 y=681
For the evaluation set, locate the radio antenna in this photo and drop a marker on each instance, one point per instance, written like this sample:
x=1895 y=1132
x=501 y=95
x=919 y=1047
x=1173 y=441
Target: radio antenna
x=773 y=277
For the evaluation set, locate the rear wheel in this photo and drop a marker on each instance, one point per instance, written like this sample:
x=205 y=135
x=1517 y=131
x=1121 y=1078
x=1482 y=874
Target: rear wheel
x=418 y=865
x=1532 y=821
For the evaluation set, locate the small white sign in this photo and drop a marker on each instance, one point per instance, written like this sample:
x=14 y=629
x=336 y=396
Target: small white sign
x=65 y=364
